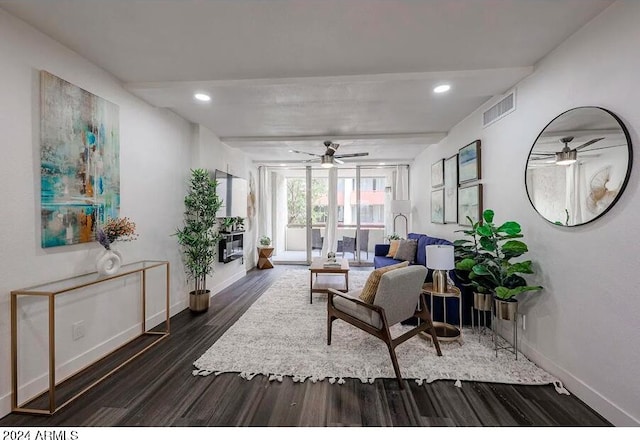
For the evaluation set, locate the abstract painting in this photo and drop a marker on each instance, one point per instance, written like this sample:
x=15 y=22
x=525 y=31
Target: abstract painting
x=437 y=206
x=469 y=162
x=79 y=162
x=437 y=173
x=469 y=204
x=451 y=189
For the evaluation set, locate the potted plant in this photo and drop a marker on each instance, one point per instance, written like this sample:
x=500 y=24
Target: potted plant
x=486 y=260
x=265 y=241
x=227 y=224
x=198 y=237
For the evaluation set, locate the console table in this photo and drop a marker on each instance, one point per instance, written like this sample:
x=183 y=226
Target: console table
x=66 y=286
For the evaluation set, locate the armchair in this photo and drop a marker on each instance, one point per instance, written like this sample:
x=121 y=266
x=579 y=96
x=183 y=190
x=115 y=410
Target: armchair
x=398 y=298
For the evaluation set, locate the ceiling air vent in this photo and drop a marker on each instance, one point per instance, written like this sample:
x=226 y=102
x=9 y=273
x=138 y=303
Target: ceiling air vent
x=505 y=106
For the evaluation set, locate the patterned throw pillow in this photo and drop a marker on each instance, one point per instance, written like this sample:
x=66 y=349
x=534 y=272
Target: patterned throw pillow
x=407 y=250
x=370 y=288
x=393 y=248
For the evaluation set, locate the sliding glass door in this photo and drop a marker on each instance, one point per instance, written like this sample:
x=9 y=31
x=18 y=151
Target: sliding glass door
x=301 y=212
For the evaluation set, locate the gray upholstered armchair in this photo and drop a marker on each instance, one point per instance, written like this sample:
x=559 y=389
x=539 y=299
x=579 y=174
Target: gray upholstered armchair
x=397 y=299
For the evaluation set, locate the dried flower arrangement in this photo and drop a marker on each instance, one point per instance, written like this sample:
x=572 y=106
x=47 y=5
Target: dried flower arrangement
x=116 y=229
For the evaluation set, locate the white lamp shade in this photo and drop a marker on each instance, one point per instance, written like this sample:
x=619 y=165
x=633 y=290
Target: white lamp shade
x=440 y=257
x=400 y=206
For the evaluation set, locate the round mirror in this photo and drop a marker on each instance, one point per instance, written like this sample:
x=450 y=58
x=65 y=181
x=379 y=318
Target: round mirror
x=578 y=166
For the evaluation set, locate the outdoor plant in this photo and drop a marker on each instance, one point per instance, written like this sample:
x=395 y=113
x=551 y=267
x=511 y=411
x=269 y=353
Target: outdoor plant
x=485 y=259
x=199 y=237
x=116 y=229
x=393 y=236
x=265 y=241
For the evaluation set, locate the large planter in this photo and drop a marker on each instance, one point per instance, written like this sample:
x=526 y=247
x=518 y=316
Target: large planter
x=482 y=301
x=506 y=309
x=199 y=301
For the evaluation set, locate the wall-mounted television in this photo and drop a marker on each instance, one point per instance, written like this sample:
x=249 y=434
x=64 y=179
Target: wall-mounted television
x=232 y=190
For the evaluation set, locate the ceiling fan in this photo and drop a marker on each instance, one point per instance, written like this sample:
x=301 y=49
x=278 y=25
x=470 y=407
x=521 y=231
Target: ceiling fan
x=329 y=158
x=567 y=155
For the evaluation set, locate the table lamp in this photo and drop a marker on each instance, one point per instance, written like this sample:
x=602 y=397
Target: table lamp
x=440 y=259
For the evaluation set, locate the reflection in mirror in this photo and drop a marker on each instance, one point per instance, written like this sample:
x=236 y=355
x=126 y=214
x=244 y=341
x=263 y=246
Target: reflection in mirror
x=578 y=166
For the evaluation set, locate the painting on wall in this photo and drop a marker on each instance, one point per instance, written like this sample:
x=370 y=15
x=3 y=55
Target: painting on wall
x=79 y=162
x=469 y=204
x=437 y=206
x=451 y=189
x=469 y=162
x=437 y=174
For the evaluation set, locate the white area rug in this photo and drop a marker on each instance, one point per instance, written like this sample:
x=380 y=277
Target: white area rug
x=283 y=335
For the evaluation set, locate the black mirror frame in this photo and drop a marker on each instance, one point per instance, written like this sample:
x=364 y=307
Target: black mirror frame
x=626 y=177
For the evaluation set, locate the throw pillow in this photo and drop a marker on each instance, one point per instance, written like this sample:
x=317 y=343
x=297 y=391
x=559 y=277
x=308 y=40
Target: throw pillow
x=407 y=250
x=393 y=248
x=370 y=288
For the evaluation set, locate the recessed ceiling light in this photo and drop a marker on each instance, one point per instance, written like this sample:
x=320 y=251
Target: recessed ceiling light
x=202 y=97
x=283 y=164
x=442 y=88
x=382 y=163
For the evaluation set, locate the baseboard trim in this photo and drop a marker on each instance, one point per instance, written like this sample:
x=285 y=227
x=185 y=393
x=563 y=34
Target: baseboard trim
x=605 y=407
x=41 y=383
x=226 y=283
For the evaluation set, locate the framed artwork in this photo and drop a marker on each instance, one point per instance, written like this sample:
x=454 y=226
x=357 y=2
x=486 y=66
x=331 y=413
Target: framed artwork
x=451 y=189
x=469 y=204
x=437 y=174
x=437 y=206
x=79 y=162
x=469 y=162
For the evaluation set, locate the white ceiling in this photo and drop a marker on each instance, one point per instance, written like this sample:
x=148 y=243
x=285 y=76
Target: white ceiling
x=288 y=74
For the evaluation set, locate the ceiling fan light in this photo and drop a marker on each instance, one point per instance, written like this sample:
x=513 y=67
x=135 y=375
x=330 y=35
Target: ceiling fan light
x=326 y=161
x=566 y=157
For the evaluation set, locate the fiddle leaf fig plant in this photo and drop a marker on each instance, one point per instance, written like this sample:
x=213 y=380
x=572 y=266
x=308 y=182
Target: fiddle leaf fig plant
x=485 y=259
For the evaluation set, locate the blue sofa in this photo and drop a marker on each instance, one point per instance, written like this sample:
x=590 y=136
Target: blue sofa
x=380 y=259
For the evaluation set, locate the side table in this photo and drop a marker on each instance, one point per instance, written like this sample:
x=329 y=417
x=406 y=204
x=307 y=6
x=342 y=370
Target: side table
x=264 y=258
x=446 y=332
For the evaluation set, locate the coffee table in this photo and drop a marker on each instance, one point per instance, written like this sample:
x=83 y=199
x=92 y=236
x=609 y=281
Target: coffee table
x=334 y=277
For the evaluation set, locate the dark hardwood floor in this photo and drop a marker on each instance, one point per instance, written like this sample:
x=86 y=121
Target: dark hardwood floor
x=158 y=389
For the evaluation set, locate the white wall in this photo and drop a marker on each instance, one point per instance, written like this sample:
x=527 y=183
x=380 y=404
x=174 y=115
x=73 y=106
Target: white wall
x=583 y=327
x=154 y=159
x=210 y=153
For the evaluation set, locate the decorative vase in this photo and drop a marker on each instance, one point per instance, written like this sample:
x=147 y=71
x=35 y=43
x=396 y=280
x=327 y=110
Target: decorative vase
x=109 y=262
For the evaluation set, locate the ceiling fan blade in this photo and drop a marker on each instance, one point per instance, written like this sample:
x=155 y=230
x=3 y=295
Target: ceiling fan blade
x=543 y=154
x=605 y=148
x=352 y=155
x=309 y=160
x=338 y=161
x=331 y=148
x=304 y=152
x=586 y=144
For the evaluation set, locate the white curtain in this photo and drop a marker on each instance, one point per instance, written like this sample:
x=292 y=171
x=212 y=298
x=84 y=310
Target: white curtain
x=400 y=191
x=264 y=203
x=330 y=243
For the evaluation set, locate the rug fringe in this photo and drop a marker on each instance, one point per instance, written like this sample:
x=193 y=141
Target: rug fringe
x=199 y=372
x=560 y=389
x=458 y=383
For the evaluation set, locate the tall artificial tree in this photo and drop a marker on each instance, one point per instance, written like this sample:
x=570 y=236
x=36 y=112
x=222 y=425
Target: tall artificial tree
x=199 y=237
